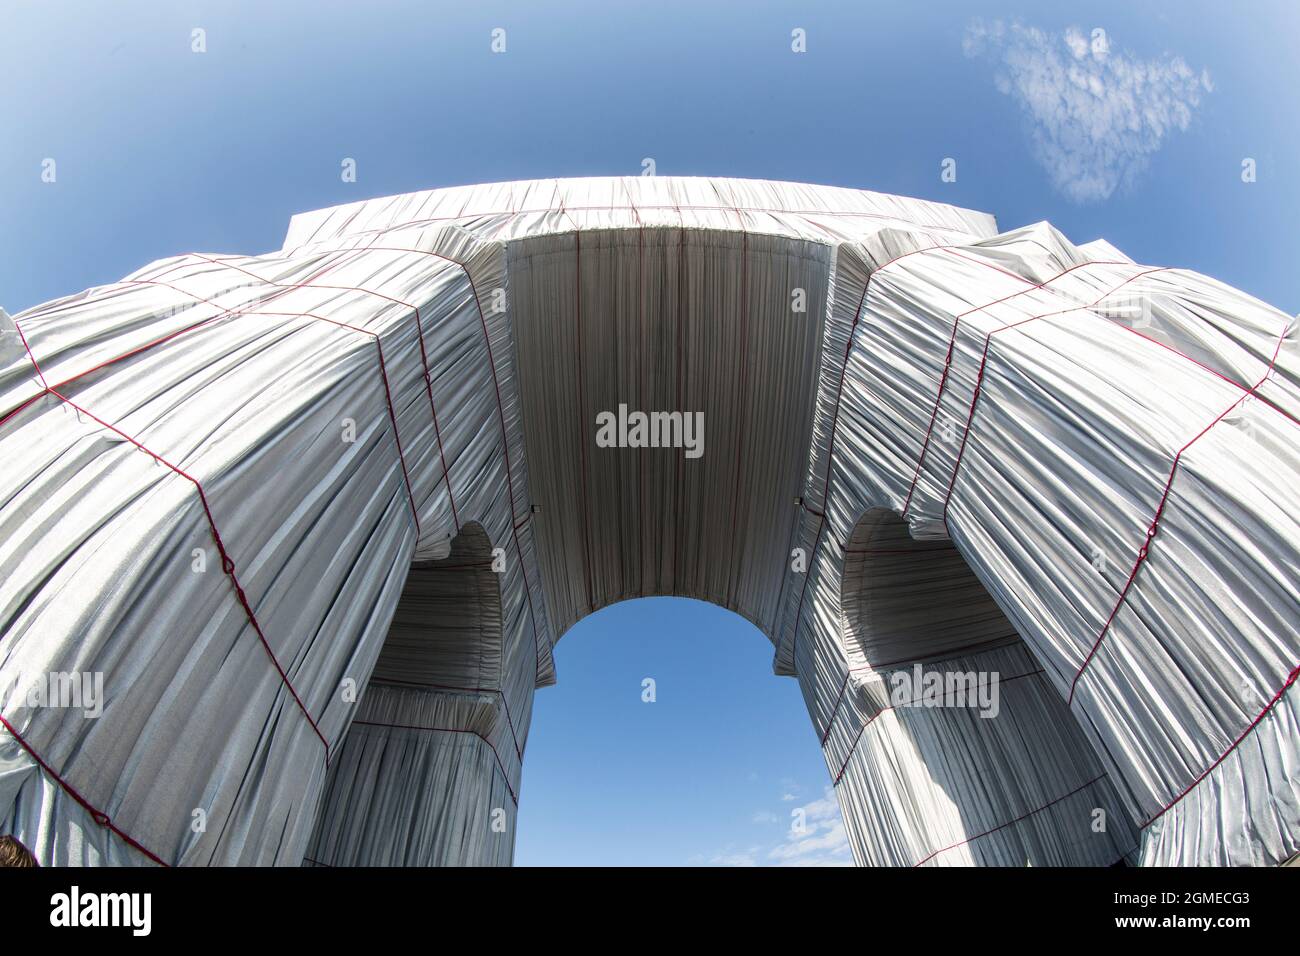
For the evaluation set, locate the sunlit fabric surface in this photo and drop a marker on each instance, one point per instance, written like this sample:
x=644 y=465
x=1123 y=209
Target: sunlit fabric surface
x=318 y=516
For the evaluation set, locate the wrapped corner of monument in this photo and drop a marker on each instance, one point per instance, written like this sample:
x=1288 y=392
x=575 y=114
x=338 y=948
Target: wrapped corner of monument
x=286 y=540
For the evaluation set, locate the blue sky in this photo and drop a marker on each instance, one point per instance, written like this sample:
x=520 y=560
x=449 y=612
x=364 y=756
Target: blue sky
x=160 y=150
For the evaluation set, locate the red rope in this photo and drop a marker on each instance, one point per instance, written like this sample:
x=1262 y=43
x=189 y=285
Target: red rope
x=640 y=387
x=868 y=722
x=1150 y=534
x=938 y=399
x=679 y=494
x=1003 y=826
x=979 y=378
x=383 y=371
x=839 y=394
x=505 y=442
x=352 y=254
x=830 y=454
x=98 y=815
x=227 y=563
x=947 y=365
x=740 y=394
x=1291 y=679
x=505 y=706
x=450 y=730
x=424 y=360
x=830 y=723
x=224 y=313
x=582 y=414
x=1154 y=527
x=1142 y=552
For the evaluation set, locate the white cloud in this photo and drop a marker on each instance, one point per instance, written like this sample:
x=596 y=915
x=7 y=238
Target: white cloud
x=821 y=842
x=732 y=857
x=1098 y=115
x=828 y=847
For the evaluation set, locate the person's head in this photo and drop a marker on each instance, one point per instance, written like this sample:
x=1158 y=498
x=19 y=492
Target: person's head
x=13 y=853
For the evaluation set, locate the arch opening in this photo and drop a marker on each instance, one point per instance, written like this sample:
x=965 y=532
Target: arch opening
x=959 y=720
x=428 y=772
x=670 y=742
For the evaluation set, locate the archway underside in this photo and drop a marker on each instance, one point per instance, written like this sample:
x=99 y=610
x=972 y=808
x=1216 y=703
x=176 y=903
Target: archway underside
x=317 y=517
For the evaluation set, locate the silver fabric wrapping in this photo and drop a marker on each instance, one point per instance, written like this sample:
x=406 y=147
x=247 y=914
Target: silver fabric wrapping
x=1037 y=404
x=418 y=783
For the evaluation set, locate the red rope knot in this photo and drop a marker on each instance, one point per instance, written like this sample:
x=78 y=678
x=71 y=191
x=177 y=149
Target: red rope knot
x=101 y=818
x=227 y=565
x=1142 y=554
